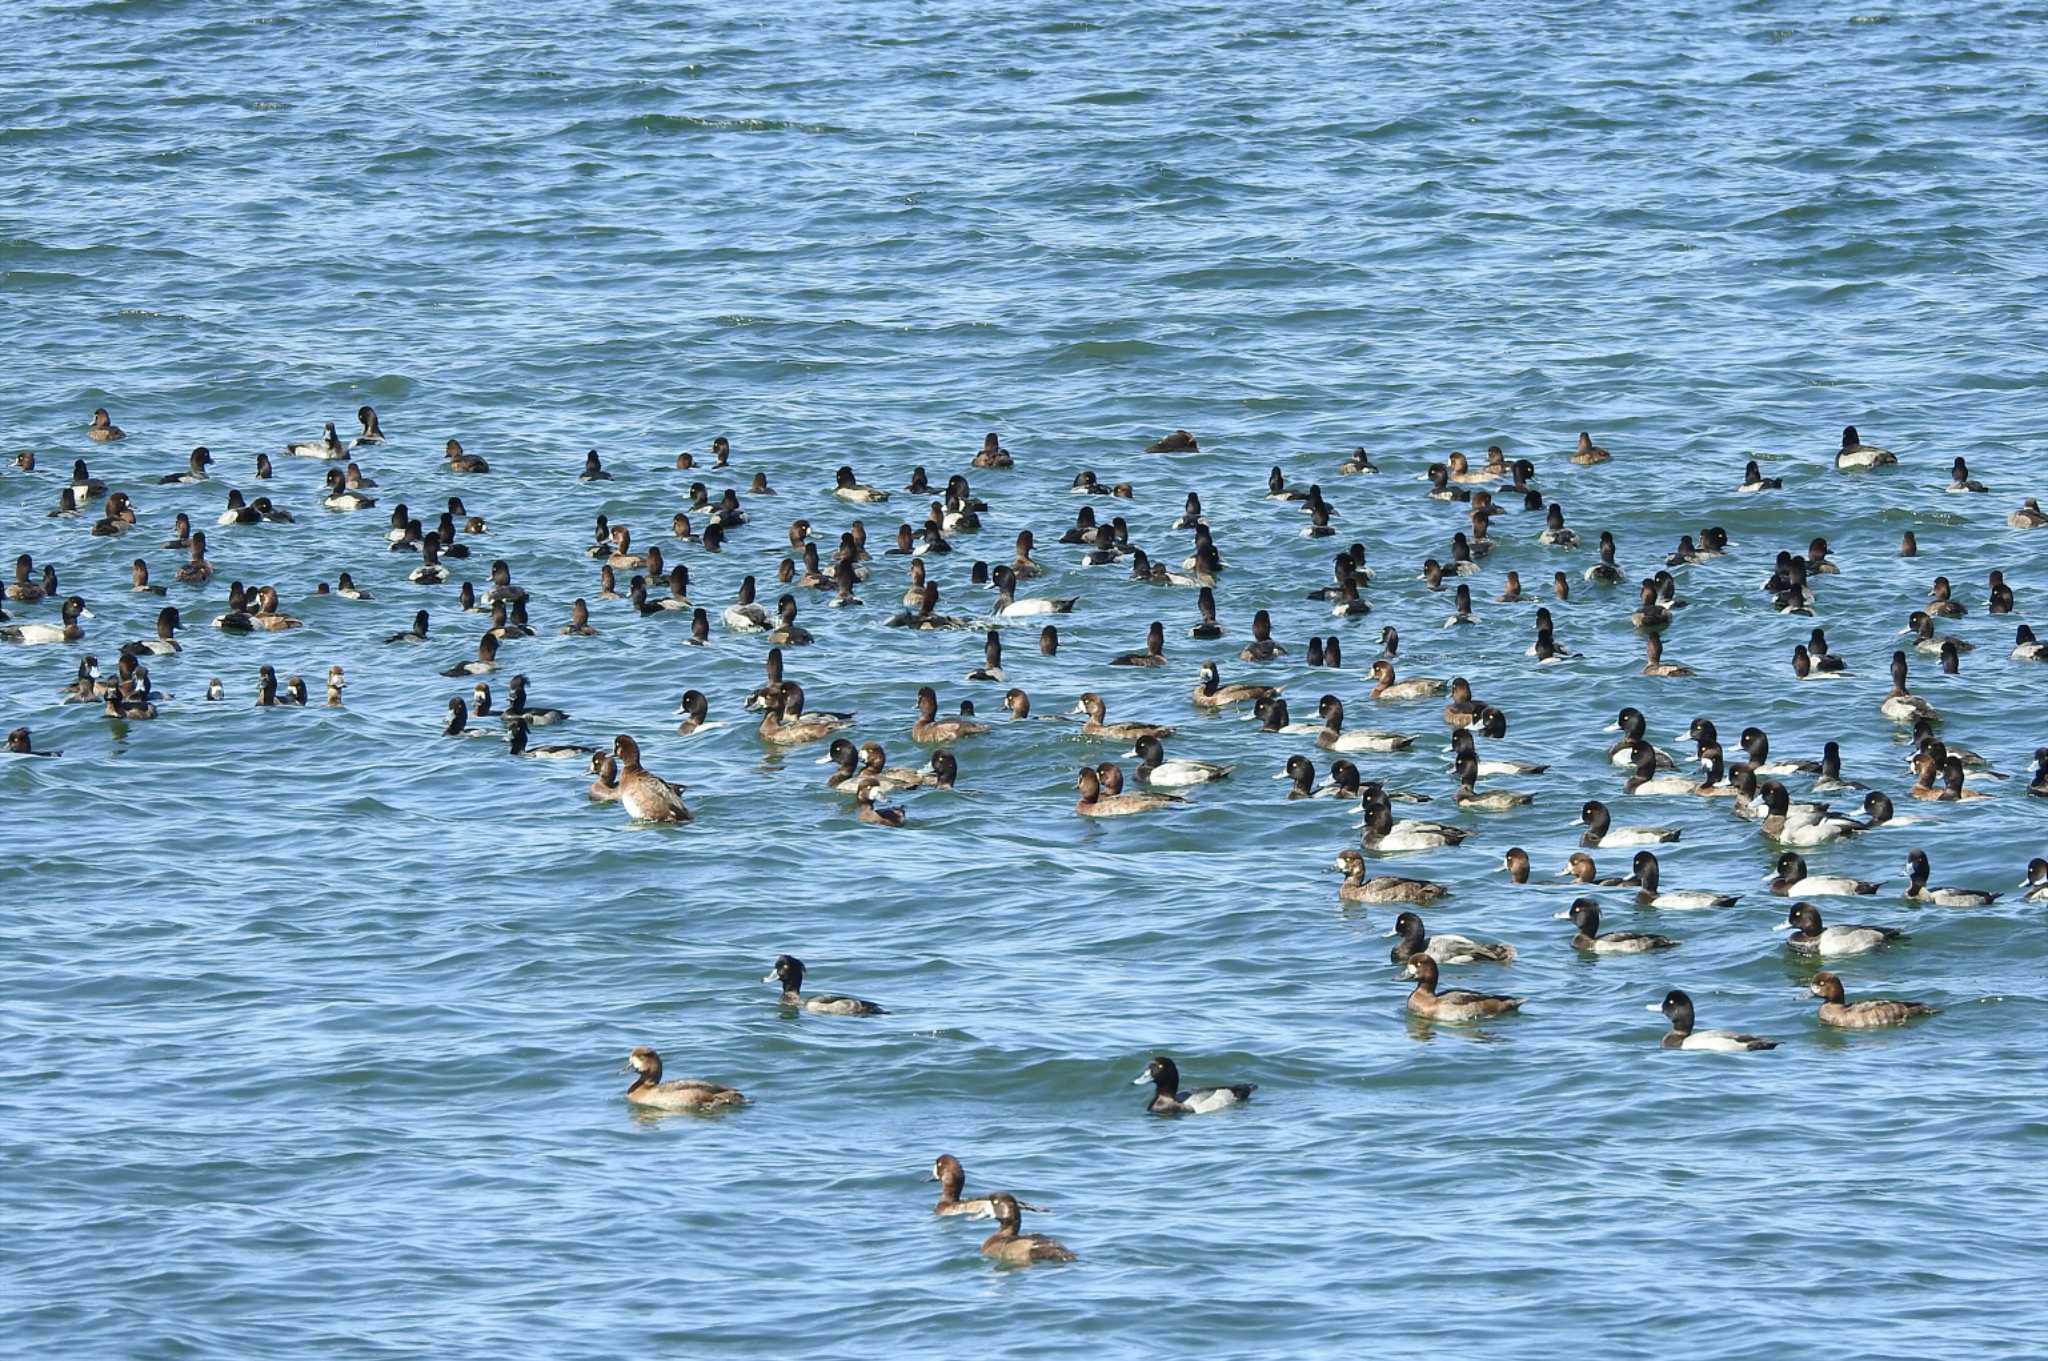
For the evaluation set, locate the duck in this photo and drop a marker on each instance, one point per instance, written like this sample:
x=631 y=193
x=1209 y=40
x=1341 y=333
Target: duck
x=1589 y=453
x=1654 y=663
x=1917 y=890
x=1646 y=782
x=1382 y=833
x=1212 y=693
x=1899 y=705
x=788 y=970
x=1634 y=727
x=1462 y=745
x=1095 y=803
x=604 y=784
x=195 y=468
x=646 y=796
x=847 y=488
x=373 y=433
x=1605 y=572
x=1154 y=655
x=1754 y=481
x=2028 y=516
x=102 y=429
x=1677 y=1007
x=340 y=497
x=67 y=631
x=929 y=727
x=1383 y=888
x=517 y=710
x=1011 y=1246
x=747 y=615
x=952 y=1179
x=1600 y=835
x=1581 y=869
x=1387 y=689
x=166 y=641
x=1179 y=442
x=19 y=743
x=329 y=445
x=1360 y=462
x=787 y=725
x=1837 y=1010
x=458 y=461
x=1756 y=744
x=1810 y=937
x=1261 y=648
x=870 y=810
x=1585 y=915
x=1855 y=454
x=1155 y=771
x=2036 y=882
x=1332 y=737
x=1792 y=881
x=548 y=751
x=1162 y=1075
x=1427 y=1002
x=416 y=634
x=486 y=659
x=1493 y=800
x=1007 y=606
x=1413 y=940
x=1802 y=824
x=1649 y=893
x=677 y=1094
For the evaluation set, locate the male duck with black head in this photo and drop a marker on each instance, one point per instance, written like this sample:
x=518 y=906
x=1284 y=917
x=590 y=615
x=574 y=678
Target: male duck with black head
x=1163 y=1076
x=788 y=970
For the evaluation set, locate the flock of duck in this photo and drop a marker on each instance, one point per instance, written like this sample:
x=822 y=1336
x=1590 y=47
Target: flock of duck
x=1748 y=780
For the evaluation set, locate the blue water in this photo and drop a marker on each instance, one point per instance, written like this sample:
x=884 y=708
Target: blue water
x=310 y=1021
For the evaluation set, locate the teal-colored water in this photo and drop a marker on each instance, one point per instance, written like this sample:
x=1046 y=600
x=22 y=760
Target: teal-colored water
x=310 y=1021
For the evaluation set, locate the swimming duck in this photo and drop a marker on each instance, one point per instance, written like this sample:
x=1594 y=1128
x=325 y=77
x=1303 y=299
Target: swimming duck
x=1332 y=737
x=166 y=641
x=2036 y=882
x=929 y=727
x=1413 y=941
x=68 y=631
x=1654 y=663
x=1837 y=1010
x=1917 y=890
x=1589 y=453
x=1855 y=454
x=1359 y=462
x=1427 y=1002
x=1095 y=803
x=847 y=488
x=677 y=1094
x=646 y=796
x=550 y=751
x=1179 y=442
x=1649 y=893
x=1383 y=888
x=1585 y=915
x=1792 y=881
x=1899 y=705
x=1959 y=479
x=1493 y=800
x=102 y=430
x=747 y=615
x=788 y=970
x=1163 y=1076
x=952 y=1179
x=1605 y=572
x=1802 y=824
x=327 y=446
x=340 y=497
x=1154 y=654
x=373 y=433
x=1810 y=937
x=1581 y=869
x=1211 y=693
x=1601 y=835
x=1159 y=773
x=1389 y=690
x=1462 y=745
x=1382 y=833
x=19 y=743
x=1647 y=782
x=461 y=462
x=604 y=784
x=1678 y=1008
x=1008 y=606
x=1014 y=1248
x=486 y=659
x=1754 y=481
x=2028 y=516
x=1555 y=534
x=787 y=725
x=1514 y=862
